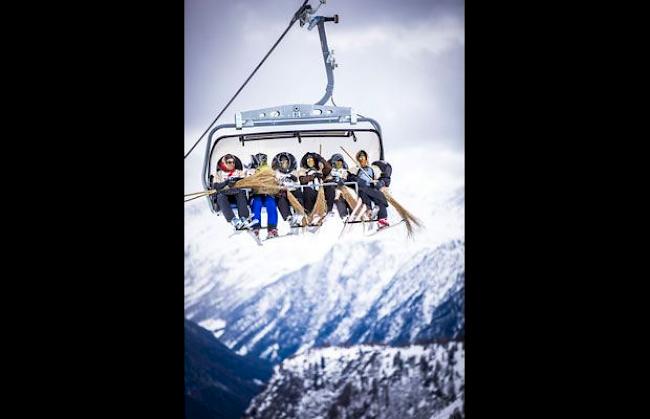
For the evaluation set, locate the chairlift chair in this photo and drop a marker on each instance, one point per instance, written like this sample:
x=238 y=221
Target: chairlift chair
x=296 y=128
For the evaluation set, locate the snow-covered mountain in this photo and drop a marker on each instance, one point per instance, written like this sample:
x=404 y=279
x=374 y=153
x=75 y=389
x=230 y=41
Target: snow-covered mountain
x=299 y=292
x=356 y=294
x=219 y=384
x=367 y=381
x=422 y=302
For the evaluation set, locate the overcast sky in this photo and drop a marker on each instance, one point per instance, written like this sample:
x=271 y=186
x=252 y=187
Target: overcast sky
x=400 y=62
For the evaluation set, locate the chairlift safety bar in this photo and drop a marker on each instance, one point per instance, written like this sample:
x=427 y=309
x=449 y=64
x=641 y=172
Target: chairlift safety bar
x=305 y=117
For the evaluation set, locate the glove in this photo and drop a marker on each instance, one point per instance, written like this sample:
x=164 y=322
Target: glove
x=340 y=182
x=219 y=186
x=232 y=181
x=380 y=184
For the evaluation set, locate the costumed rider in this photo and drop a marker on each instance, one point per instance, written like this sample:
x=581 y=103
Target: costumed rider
x=286 y=173
x=339 y=175
x=229 y=171
x=386 y=171
x=370 y=179
x=313 y=168
x=259 y=163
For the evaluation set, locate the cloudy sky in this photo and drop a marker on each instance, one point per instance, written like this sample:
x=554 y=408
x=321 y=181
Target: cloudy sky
x=400 y=62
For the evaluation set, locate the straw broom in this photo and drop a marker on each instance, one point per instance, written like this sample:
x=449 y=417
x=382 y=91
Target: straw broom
x=295 y=203
x=262 y=182
x=197 y=195
x=409 y=219
x=320 y=208
x=358 y=212
x=349 y=196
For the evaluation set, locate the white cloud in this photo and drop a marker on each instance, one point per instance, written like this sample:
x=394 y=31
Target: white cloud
x=406 y=74
x=404 y=42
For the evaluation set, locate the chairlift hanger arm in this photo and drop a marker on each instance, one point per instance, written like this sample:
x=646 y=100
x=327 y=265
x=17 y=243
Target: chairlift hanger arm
x=328 y=56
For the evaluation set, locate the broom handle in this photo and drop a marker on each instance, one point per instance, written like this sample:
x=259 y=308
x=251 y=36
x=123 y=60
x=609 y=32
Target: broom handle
x=353 y=159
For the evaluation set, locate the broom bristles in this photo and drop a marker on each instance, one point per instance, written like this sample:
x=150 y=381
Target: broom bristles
x=295 y=203
x=320 y=208
x=263 y=182
x=348 y=195
x=409 y=219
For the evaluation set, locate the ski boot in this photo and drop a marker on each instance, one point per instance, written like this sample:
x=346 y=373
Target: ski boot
x=295 y=221
x=272 y=232
x=251 y=224
x=237 y=223
x=382 y=223
x=291 y=220
x=316 y=221
x=374 y=213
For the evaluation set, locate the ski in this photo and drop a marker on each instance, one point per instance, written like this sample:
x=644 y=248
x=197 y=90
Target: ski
x=356 y=216
x=279 y=237
x=293 y=231
x=236 y=232
x=348 y=223
x=248 y=224
x=245 y=227
x=385 y=228
x=256 y=238
x=345 y=224
x=314 y=228
x=249 y=232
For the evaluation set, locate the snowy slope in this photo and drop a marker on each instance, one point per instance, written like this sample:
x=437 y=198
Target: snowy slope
x=367 y=381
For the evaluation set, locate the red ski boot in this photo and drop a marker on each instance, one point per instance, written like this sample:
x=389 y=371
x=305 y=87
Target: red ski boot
x=272 y=232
